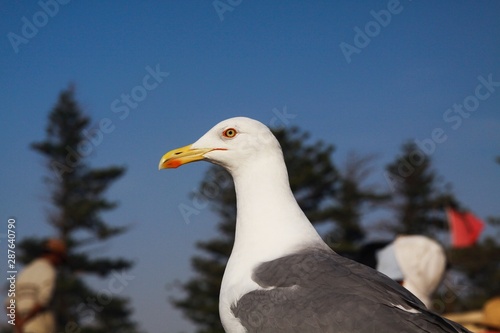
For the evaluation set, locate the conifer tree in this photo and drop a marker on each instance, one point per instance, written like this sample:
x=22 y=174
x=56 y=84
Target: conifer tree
x=77 y=201
x=419 y=194
x=354 y=198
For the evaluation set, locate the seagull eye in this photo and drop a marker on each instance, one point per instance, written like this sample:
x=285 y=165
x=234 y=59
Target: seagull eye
x=229 y=133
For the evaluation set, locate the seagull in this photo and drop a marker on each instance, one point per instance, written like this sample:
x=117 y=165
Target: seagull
x=281 y=276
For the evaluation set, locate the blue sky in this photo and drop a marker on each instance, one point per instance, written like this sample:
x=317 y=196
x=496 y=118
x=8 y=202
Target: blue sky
x=257 y=59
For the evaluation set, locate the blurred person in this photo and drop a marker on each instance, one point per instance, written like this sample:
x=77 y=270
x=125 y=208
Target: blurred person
x=35 y=289
x=417 y=262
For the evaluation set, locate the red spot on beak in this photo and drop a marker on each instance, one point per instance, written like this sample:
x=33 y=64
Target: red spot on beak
x=174 y=164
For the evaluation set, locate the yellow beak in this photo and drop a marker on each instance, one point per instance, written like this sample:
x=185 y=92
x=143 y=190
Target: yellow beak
x=181 y=156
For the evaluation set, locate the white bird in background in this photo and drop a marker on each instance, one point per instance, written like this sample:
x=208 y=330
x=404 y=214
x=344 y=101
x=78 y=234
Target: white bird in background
x=281 y=276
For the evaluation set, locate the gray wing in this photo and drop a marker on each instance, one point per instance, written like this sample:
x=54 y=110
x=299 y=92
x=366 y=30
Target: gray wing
x=317 y=290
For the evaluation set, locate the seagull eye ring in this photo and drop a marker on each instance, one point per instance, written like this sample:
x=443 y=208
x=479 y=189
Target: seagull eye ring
x=229 y=133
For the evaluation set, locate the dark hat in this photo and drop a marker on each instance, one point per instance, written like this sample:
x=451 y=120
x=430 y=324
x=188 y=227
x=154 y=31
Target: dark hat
x=56 y=246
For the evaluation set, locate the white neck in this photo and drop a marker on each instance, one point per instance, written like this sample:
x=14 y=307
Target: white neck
x=269 y=225
x=269 y=220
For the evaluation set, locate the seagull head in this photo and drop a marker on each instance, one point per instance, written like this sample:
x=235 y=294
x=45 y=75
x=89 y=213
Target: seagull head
x=231 y=143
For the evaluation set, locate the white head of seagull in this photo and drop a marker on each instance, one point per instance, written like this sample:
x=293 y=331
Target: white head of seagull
x=281 y=276
x=253 y=156
x=231 y=143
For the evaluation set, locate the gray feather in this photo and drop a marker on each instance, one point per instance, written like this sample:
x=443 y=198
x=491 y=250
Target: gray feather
x=316 y=290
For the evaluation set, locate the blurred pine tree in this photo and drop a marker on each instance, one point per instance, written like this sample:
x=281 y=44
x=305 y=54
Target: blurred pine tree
x=77 y=196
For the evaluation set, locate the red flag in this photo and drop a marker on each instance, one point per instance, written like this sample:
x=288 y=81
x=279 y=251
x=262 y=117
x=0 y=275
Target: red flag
x=465 y=228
